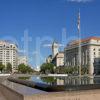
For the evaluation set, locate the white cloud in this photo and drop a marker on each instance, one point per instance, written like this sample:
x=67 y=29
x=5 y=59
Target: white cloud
x=79 y=1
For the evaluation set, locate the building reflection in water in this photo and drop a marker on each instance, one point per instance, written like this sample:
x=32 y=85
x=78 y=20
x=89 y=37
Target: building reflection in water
x=74 y=81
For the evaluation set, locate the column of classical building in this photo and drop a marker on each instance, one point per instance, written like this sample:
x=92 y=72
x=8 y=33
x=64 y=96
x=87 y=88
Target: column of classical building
x=91 y=60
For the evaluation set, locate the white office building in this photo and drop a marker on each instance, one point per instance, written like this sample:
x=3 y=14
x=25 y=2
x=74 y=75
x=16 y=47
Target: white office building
x=8 y=53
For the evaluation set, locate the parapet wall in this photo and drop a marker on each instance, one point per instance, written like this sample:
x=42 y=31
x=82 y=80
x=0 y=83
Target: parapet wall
x=10 y=94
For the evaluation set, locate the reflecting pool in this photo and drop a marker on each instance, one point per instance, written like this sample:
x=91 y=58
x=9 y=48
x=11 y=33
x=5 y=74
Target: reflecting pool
x=65 y=80
x=61 y=83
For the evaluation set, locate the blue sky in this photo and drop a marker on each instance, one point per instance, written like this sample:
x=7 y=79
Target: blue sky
x=47 y=18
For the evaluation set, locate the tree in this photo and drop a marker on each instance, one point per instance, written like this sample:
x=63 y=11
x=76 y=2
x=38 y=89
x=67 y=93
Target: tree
x=84 y=70
x=43 y=68
x=22 y=68
x=29 y=69
x=47 y=68
x=9 y=67
x=60 y=70
x=2 y=67
x=69 y=70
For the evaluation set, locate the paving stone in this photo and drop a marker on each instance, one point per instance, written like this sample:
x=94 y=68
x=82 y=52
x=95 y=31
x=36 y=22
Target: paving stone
x=2 y=97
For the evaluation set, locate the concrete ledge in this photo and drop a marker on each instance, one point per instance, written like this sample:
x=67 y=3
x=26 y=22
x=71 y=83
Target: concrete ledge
x=20 y=92
x=71 y=95
x=4 y=75
x=10 y=94
x=14 y=91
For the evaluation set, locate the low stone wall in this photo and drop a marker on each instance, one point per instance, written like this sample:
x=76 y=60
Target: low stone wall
x=2 y=78
x=71 y=95
x=10 y=94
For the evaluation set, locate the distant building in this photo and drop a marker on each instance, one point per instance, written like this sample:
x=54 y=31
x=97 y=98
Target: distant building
x=55 y=49
x=97 y=66
x=22 y=60
x=49 y=59
x=58 y=60
x=90 y=51
x=8 y=53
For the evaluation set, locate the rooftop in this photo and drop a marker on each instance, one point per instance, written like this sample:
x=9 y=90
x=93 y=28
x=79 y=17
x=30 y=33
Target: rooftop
x=83 y=40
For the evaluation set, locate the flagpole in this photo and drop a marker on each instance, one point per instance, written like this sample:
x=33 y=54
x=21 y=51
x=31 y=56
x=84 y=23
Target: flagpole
x=79 y=37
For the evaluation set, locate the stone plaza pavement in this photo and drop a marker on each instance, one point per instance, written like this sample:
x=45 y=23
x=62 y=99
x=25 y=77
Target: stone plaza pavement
x=2 y=97
x=76 y=95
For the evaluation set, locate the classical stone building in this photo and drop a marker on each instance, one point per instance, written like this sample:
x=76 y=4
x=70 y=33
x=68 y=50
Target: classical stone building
x=8 y=53
x=90 y=49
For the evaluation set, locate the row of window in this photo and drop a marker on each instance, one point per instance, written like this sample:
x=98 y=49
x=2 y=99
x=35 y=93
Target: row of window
x=98 y=53
x=11 y=46
x=95 y=49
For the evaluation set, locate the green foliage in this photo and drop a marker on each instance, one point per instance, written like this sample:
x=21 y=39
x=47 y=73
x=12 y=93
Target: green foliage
x=60 y=70
x=9 y=67
x=29 y=69
x=66 y=70
x=22 y=68
x=2 y=67
x=84 y=70
x=48 y=79
x=75 y=70
x=47 y=68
